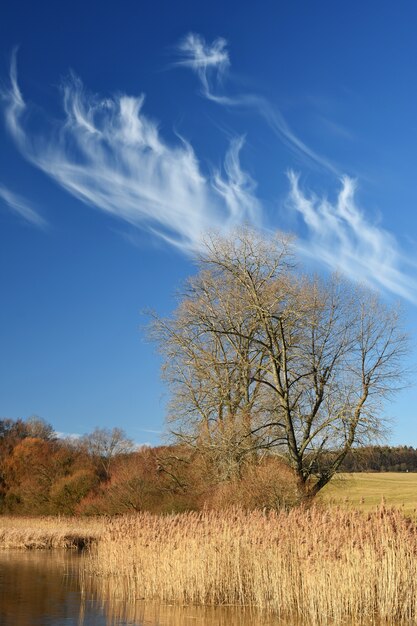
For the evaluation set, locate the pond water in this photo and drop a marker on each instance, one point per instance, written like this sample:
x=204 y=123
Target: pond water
x=43 y=588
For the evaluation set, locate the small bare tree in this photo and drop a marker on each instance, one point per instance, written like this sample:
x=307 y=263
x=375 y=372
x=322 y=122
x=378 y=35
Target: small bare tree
x=260 y=357
x=38 y=427
x=103 y=445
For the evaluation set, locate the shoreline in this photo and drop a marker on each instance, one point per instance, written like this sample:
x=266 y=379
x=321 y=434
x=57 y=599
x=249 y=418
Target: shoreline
x=47 y=533
x=322 y=564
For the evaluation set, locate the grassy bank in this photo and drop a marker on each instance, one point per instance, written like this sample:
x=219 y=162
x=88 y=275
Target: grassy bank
x=366 y=491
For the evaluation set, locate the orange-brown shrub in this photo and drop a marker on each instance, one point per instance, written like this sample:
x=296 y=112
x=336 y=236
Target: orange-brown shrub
x=269 y=484
x=174 y=479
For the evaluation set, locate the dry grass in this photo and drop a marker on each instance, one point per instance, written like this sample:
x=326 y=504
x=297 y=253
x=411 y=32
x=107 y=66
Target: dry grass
x=48 y=532
x=366 y=491
x=316 y=564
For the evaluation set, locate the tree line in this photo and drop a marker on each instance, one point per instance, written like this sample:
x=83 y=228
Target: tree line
x=381 y=459
x=104 y=473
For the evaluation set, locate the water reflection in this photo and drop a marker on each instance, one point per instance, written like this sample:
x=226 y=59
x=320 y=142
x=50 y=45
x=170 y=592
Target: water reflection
x=44 y=589
x=157 y=615
x=148 y=614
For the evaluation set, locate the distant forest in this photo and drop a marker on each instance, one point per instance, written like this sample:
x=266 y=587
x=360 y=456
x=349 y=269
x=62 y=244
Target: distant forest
x=105 y=473
x=381 y=459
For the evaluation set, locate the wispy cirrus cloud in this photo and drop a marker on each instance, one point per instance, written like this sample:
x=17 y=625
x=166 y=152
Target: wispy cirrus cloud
x=20 y=205
x=210 y=61
x=110 y=155
x=339 y=235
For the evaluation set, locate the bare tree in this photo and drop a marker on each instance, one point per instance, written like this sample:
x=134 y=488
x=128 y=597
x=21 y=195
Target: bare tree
x=38 y=427
x=260 y=357
x=104 y=445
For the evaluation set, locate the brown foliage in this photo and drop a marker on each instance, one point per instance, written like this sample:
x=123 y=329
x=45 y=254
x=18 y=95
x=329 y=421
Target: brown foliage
x=39 y=476
x=133 y=486
x=50 y=476
x=176 y=478
x=270 y=484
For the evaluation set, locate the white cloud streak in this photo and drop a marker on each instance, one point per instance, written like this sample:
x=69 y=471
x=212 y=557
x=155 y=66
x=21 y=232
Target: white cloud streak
x=210 y=62
x=21 y=206
x=107 y=153
x=339 y=236
x=71 y=436
x=110 y=155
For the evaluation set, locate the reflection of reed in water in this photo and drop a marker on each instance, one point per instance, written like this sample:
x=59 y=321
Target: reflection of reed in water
x=141 y=613
x=38 y=587
x=101 y=592
x=317 y=564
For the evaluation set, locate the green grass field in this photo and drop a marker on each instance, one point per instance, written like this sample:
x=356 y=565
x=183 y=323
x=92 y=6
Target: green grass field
x=367 y=491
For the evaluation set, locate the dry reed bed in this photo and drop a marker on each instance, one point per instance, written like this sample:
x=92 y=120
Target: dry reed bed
x=39 y=533
x=316 y=564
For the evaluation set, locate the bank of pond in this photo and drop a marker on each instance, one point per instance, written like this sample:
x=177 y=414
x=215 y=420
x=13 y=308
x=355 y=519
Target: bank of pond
x=314 y=566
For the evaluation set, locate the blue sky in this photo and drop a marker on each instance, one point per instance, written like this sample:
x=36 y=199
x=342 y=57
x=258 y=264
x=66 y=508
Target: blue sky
x=128 y=129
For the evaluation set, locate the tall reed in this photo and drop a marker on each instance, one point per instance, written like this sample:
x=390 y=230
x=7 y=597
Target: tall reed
x=315 y=564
